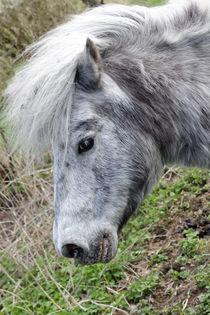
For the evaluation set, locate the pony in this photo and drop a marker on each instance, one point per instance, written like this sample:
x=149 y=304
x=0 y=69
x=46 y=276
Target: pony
x=115 y=93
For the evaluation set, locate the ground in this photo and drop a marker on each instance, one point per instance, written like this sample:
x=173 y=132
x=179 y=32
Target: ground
x=161 y=266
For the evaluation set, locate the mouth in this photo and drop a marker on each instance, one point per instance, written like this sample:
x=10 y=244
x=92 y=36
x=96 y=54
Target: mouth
x=101 y=252
x=104 y=249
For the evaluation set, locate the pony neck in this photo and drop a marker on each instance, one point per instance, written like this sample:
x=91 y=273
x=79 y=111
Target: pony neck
x=169 y=103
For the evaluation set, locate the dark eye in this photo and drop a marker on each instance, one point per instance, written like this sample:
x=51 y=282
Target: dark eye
x=85 y=145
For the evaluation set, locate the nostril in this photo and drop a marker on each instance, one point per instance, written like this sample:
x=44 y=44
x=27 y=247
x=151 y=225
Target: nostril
x=71 y=251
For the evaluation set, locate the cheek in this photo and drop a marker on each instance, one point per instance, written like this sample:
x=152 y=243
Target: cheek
x=112 y=182
x=102 y=182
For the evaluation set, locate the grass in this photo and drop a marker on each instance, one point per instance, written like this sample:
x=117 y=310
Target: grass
x=160 y=268
x=21 y=25
x=148 y=3
x=161 y=265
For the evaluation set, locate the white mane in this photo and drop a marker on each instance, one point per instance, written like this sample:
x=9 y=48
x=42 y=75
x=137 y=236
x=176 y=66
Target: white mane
x=40 y=96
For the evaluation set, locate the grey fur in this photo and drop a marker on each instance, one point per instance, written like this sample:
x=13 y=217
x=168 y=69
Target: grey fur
x=137 y=81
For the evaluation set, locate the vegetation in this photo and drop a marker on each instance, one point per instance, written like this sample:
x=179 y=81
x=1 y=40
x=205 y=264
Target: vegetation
x=22 y=24
x=161 y=265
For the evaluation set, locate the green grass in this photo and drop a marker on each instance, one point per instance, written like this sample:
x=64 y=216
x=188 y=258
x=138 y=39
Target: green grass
x=134 y=278
x=148 y=3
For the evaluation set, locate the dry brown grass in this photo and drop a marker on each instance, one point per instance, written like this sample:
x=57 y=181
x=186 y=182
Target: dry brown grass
x=21 y=25
x=26 y=193
x=26 y=217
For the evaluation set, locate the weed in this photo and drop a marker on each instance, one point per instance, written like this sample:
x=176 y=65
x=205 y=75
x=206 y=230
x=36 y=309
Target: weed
x=190 y=246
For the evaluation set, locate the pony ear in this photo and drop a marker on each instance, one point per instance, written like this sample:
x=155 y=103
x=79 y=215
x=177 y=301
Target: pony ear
x=89 y=68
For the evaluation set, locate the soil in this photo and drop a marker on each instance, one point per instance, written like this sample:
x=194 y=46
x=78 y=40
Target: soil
x=184 y=291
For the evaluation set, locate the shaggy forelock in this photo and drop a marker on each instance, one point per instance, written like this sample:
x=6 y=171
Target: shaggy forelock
x=40 y=96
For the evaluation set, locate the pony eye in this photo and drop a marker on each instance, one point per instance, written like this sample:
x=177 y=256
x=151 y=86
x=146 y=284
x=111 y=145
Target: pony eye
x=85 y=145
